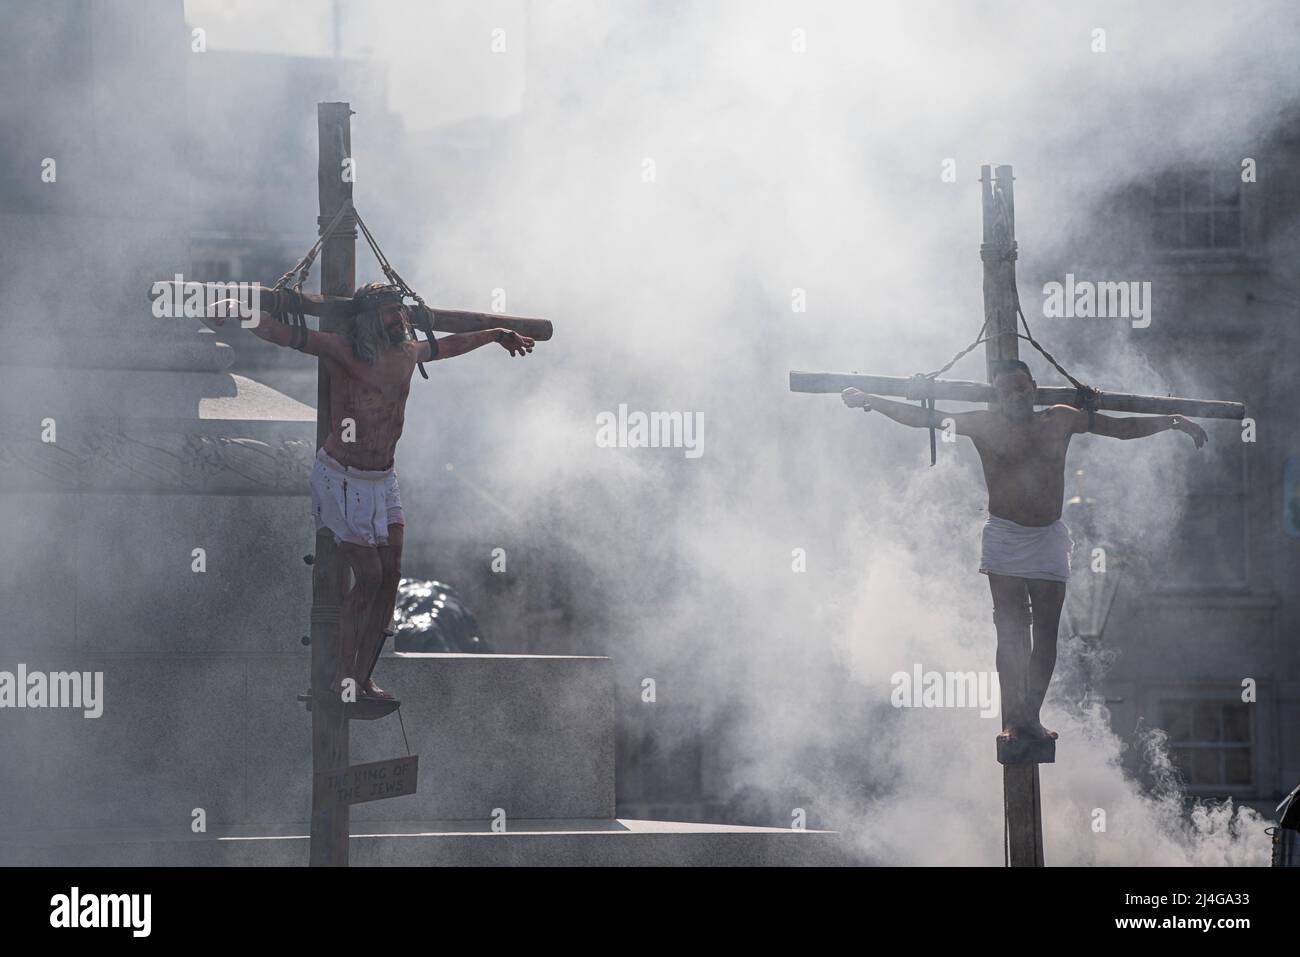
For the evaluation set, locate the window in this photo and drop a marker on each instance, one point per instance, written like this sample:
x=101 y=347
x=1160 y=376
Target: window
x=1209 y=544
x=1198 y=208
x=213 y=270
x=1209 y=741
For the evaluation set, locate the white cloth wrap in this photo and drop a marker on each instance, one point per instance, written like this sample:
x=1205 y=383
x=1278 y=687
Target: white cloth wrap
x=1026 y=551
x=357 y=505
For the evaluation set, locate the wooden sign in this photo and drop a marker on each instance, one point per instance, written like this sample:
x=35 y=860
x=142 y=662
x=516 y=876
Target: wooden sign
x=368 y=782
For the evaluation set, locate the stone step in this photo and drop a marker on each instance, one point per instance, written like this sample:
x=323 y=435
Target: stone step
x=532 y=735
x=602 y=843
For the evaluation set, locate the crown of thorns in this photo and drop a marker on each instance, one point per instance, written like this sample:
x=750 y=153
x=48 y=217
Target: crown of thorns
x=376 y=295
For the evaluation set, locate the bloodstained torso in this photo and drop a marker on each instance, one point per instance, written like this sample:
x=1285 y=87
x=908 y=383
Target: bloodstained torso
x=374 y=397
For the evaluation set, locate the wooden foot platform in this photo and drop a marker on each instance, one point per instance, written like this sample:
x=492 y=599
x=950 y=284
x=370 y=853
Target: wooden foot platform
x=363 y=709
x=1026 y=750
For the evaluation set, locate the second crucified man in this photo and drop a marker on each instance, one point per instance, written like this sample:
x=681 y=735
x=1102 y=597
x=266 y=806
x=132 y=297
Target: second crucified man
x=1025 y=547
x=354 y=486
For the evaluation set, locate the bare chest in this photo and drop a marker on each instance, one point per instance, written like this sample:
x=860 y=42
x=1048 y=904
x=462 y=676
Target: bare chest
x=1035 y=444
x=382 y=386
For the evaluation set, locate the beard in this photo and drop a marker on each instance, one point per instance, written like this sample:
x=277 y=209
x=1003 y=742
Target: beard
x=397 y=333
x=370 y=336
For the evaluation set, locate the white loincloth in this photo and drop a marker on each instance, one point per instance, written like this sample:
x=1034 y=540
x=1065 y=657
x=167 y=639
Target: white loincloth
x=357 y=505
x=1026 y=551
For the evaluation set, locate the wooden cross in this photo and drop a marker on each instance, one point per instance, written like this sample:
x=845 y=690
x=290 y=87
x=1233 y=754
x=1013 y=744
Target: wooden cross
x=329 y=735
x=999 y=254
x=1020 y=759
x=336 y=784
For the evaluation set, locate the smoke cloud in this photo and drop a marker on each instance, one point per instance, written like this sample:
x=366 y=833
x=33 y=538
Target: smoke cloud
x=665 y=181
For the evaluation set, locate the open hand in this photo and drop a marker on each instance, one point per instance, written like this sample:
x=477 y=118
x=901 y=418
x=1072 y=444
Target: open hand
x=514 y=343
x=1191 y=428
x=220 y=311
x=856 y=399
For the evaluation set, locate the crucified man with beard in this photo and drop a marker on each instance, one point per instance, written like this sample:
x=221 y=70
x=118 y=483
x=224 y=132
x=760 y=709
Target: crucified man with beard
x=1025 y=546
x=353 y=485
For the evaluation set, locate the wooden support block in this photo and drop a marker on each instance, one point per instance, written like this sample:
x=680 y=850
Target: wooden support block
x=363 y=709
x=1026 y=750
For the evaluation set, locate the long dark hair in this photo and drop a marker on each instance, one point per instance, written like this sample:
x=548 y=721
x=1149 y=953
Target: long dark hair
x=368 y=336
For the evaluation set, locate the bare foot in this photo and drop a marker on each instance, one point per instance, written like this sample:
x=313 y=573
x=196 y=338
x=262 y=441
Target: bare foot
x=372 y=690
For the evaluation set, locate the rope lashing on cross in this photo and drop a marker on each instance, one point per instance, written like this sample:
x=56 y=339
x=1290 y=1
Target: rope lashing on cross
x=920 y=388
x=393 y=277
x=1086 y=397
x=288 y=299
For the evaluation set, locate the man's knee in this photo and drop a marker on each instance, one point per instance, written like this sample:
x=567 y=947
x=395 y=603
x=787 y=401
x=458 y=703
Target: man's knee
x=1048 y=598
x=390 y=560
x=1016 y=620
x=391 y=572
x=390 y=556
x=368 y=571
x=1011 y=607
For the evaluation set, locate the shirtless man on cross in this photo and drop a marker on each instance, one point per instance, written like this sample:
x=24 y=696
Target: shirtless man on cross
x=354 y=487
x=1025 y=546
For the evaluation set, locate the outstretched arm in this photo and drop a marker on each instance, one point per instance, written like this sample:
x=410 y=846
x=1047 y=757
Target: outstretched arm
x=280 y=333
x=1131 y=427
x=463 y=342
x=967 y=423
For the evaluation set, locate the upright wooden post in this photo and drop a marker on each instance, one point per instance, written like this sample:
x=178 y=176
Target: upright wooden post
x=330 y=819
x=1024 y=815
x=1022 y=804
x=998 y=250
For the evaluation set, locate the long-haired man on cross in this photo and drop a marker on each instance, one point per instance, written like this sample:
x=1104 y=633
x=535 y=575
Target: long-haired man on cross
x=354 y=486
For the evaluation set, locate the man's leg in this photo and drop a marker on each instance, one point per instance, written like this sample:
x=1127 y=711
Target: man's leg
x=1011 y=618
x=390 y=560
x=1047 y=598
x=358 y=605
x=390 y=557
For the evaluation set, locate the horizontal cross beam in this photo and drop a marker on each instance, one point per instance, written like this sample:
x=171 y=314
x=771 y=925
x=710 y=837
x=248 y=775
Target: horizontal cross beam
x=961 y=391
x=338 y=311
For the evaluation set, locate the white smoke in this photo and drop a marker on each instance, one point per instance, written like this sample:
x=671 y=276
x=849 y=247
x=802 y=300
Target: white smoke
x=777 y=170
